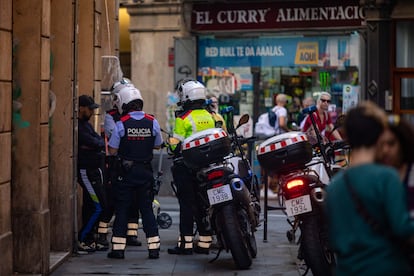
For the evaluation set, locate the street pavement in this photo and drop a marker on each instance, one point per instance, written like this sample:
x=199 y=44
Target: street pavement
x=276 y=256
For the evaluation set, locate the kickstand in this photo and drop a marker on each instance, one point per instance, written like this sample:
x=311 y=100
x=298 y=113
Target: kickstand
x=215 y=258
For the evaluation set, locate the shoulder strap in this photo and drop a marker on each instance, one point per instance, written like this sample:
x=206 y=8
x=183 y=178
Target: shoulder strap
x=369 y=219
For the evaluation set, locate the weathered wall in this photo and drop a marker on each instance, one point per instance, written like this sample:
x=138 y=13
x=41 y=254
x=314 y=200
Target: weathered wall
x=31 y=36
x=38 y=138
x=6 y=237
x=61 y=184
x=153 y=27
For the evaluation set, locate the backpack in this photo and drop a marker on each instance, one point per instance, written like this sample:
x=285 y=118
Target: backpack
x=272 y=118
x=265 y=126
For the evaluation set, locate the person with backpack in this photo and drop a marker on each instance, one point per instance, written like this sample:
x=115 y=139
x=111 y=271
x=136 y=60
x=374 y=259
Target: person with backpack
x=273 y=122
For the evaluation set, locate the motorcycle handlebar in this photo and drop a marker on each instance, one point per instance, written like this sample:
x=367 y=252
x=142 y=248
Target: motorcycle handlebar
x=309 y=110
x=340 y=144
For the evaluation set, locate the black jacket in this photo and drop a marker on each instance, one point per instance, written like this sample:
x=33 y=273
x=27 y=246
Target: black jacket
x=91 y=147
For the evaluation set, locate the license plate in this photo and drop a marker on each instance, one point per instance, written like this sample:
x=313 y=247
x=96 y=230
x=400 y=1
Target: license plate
x=219 y=194
x=299 y=205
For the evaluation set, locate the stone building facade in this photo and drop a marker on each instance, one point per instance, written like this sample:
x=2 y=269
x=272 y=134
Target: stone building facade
x=50 y=52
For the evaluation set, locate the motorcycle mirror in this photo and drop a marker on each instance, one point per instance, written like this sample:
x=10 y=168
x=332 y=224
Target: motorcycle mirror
x=243 y=120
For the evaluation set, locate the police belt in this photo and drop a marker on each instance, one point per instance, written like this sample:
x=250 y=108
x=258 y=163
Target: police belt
x=130 y=163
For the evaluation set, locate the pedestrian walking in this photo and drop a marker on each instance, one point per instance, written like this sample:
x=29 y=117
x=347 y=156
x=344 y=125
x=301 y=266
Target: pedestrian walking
x=133 y=140
x=90 y=174
x=396 y=149
x=193 y=118
x=366 y=204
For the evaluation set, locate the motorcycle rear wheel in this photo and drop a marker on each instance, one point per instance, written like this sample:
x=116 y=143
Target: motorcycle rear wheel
x=314 y=245
x=233 y=236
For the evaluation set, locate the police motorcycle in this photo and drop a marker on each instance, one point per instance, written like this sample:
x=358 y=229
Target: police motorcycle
x=304 y=170
x=227 y=189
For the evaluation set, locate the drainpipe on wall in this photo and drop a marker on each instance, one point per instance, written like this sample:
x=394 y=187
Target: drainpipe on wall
x=75 y=125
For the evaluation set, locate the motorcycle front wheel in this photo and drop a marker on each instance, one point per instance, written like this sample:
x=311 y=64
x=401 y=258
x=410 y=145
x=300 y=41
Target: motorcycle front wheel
x=314 y=246
x=238 y=244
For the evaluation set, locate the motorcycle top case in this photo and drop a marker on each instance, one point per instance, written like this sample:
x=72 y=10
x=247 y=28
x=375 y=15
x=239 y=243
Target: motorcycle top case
x=285 y=152
x=206 y=147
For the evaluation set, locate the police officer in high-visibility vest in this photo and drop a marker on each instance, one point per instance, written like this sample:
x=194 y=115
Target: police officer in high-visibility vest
x=111 y=117
x=133 y=140
x=193 y=118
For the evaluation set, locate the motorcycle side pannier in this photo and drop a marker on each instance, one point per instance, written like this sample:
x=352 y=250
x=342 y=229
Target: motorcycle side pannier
x=285 y=152
x=206 y=147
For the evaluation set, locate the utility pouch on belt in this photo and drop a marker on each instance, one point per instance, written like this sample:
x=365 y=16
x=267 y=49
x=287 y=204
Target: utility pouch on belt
x=127 y=166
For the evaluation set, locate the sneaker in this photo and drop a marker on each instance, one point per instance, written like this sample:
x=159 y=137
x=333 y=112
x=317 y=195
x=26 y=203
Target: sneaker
x=86 y=247
x=270 y=194
x=101 y=246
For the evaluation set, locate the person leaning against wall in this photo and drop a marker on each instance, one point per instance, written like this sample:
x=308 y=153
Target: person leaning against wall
x=366 y=206
x=91 y=157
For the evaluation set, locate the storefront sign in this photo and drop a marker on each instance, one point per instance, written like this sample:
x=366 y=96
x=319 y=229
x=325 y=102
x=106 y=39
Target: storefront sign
x=276 y=15
x=307 y=53
x=277 y=51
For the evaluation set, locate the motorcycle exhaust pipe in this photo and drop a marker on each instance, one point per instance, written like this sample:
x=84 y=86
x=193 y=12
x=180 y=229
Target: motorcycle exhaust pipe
x=242 y=194
x=318 y=194
x=239 y=190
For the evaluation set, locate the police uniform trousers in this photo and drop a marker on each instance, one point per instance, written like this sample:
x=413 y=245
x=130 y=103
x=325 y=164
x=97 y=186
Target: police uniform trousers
x=190 y=210
x=137 y=181
x=109 y=210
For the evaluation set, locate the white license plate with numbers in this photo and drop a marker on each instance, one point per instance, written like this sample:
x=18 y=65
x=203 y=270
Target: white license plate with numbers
x=219 y=194
x=299 y=205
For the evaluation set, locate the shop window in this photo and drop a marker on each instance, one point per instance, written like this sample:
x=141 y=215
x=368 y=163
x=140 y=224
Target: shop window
x=407 y=93
x=405 y=44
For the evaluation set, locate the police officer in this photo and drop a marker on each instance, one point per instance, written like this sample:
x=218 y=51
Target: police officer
x=193 y=118
x=90 y=174
x=133 y=140
x=111 y=117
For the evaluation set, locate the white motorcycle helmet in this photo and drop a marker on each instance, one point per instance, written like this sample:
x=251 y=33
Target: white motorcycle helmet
x=117 y=86
x=191 y=90
x=126 y=95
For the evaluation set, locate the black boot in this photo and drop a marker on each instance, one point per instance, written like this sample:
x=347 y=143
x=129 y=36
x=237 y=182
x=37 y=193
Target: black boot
x=153 y=253
x=116 y=254
x=180 y=251
x=102 y=243
x=201 y=250
x=133 y=241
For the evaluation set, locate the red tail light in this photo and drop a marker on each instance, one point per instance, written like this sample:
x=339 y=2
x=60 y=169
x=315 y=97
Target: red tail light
x=217 y=185
x=295 y=187
x=215 y=174
x=295 y=183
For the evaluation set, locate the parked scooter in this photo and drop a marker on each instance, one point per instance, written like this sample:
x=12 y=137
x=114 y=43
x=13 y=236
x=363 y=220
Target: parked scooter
x=304 y=170
x=226 y=189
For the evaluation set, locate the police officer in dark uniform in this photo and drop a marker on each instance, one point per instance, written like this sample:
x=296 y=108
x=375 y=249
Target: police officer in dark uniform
x=193 y=118
x=133 y=140
x=90 y=174
x=111 y=117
